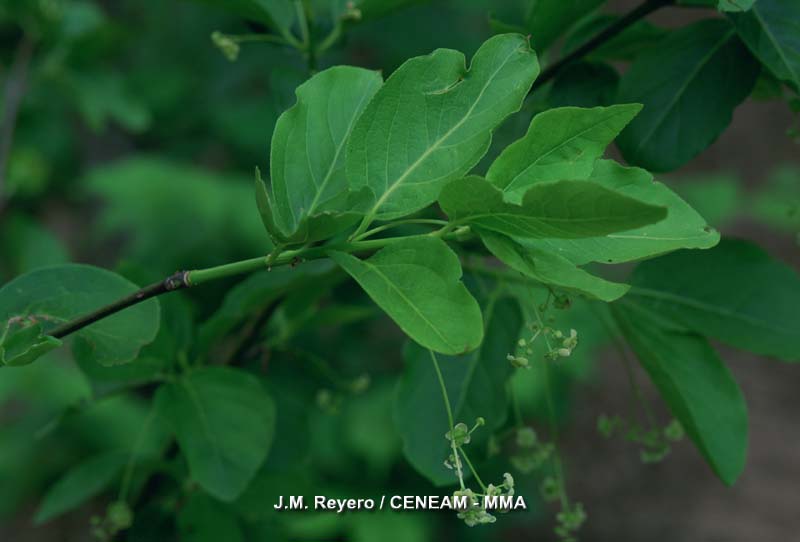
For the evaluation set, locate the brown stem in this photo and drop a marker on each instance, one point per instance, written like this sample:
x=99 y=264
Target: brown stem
x=170 y=284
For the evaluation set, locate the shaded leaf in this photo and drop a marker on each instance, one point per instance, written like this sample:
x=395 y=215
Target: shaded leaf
x=770 y=31
x=79 y=484
x=224 y=422
x=584 y=84
x=735 y=293
x=547 y=20
x=699 y=389
x=689 y=85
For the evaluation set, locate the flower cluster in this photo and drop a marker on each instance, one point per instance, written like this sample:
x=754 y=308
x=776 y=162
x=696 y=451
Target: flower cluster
x=531 y=452
x=563 y=347
x=655 y=443
x=475 y=513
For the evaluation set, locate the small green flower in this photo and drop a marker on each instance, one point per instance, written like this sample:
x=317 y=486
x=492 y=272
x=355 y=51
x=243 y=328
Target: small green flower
x=226 y=44
x=526 y=437
x=459 y=434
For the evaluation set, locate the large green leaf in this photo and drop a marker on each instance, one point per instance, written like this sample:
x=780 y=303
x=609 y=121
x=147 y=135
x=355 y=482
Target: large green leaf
x=79 y=484
x=689 y=85
x=476 y=386
x=561 y=143
x=735 y=293
x=683 y=227
x=562 y=209
x=550 y=268
x=432 y=122
x=35 y=303
x=771 y=29
x=307 y=158
x=417 y=282
x=224 y=422
x=699 y=389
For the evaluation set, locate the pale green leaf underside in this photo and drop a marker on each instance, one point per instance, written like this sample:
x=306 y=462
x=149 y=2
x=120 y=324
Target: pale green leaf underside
x=307 y=160
x=698 y=388
x=550 y=268
x=53 y=295
x=417 y=282
x=432 y=120
x=561 y=143
x=224 y=423
x=562 y=209
x=683 y=227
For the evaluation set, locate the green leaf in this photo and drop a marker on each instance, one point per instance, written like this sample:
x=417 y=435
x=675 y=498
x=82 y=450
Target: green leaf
x=689 y=85
x=476 y=386
x=547 y=20
x=550 y=268
x=563 y=209
x=735 y=293
x=561 y=143
x=24 y=342
x=417 y=282
x=699 y=389
x=79 y=484
x=735 y=5
x=432 y=121
x=770 y=31
x=224 y=422
x=307 y=159
x=683 y=227
x=43 y=299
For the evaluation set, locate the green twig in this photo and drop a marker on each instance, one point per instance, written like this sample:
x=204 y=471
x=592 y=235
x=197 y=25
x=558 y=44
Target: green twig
x=450 y=421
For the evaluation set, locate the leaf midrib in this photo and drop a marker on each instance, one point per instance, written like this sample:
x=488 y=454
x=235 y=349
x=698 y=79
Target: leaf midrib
x=682 y=89
x=700 y=305
x=405 y=298
x=400 y=180
x=510 y=186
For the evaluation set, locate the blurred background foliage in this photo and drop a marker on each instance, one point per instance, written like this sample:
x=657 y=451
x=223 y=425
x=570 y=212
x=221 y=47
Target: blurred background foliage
x=128 y=140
